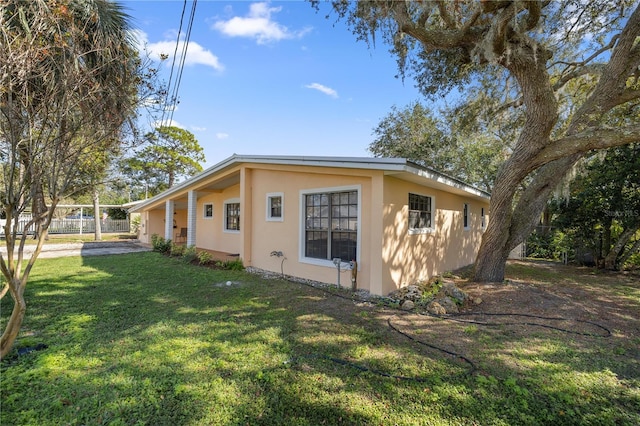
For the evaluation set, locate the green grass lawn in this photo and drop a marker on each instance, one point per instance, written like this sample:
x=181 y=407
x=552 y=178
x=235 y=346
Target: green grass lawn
x=146 y=339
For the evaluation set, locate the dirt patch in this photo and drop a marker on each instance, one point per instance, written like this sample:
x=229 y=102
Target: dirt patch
x=611 y=299
x=543 y=313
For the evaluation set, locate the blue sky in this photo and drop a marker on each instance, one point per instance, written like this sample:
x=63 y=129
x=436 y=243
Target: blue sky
x=273 y=78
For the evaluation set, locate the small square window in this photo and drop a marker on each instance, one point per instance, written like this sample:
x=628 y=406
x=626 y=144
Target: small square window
x=207 y=211
x=275 y=205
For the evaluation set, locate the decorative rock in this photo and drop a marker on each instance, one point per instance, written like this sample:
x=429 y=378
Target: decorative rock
x=477 y=301
x=435 y=308
x=448 y=304
x=450 y=289
x=413 y=293
x=407 y=305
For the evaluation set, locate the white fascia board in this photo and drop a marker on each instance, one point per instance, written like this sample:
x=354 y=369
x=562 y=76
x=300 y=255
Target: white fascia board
x=446 y=180
x=372 y=163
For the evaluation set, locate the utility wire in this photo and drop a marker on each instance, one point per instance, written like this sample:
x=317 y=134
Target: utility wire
x=173 y=64
x=185 y=46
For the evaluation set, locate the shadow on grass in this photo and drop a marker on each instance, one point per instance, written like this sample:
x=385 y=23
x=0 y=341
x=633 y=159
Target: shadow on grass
x=145 y=339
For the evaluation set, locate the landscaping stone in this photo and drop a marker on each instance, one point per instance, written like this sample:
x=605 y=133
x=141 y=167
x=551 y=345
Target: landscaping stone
x=407 y=305
x=435 y=308
x=450 y=289
x=448 y=304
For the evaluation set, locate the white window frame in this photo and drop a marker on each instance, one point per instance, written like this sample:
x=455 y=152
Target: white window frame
x=466 y=216
x=271 y=196
x=301 y=245
x=224 y=215
x=204 y=211
x=426 y=230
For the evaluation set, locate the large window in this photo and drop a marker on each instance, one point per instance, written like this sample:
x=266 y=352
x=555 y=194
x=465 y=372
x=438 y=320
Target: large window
x=331 y=225
x=232 y=216
x=419 y=212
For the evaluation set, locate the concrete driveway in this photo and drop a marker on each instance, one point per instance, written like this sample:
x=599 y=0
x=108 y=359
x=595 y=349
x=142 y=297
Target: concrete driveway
x=89 y=248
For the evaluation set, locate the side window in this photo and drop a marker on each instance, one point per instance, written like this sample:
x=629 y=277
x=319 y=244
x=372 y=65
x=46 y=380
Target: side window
x=232 y=215
x=207 y=211
x=483 y=223
x=465 y=216
x=275 y=204
x=420 y=213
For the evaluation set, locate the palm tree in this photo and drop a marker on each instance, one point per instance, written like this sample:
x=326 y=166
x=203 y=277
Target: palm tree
x=69 y=83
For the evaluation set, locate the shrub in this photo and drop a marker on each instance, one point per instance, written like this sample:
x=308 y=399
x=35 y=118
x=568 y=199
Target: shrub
x=234 y=265
x=159 y=244
x=135 y=224
x=204 y=257
x=177 y=250
x=189 y=254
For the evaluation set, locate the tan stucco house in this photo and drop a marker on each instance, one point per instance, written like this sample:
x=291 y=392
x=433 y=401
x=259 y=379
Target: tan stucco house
x=399 y=221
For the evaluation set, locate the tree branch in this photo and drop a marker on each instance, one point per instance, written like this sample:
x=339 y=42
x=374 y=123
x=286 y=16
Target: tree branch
x=587 y=140
x=445 y=15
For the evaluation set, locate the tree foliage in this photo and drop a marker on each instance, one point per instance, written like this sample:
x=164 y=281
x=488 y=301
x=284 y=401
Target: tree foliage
x=602 y=212
x=70 y=76
x=168 y=154
x=533 y=56
x=440 y=141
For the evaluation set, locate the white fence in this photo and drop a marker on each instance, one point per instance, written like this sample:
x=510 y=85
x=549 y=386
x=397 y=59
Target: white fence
x=78 y=226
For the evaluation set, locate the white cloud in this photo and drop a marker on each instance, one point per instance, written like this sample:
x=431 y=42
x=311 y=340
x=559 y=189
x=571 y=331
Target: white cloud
x=221 y=135
x=198 y=129
x=258 y=24
x=196 y=54
x=168 y=123
x=322 y=88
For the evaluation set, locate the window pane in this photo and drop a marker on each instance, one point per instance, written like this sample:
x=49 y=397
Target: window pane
x=276 y=206
x=419 y=211
x=343 y=245
x=353 y=197
x=233 y=216
x=316 y=244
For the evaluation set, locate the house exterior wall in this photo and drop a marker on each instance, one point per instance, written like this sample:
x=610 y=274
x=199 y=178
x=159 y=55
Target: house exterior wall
x=408 y=258
x=210 y=231
x=389 y=254
x=151 y=222
x=287 y=235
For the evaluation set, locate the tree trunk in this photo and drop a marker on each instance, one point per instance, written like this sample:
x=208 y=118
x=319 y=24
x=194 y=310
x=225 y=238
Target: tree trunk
x=611 y=260
x=96 y=215
x=605 y=243
x=15 y=321
x=635 y=248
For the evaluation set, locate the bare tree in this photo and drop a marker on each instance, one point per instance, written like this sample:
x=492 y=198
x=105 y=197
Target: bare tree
x=69 y=83
x=539 y=51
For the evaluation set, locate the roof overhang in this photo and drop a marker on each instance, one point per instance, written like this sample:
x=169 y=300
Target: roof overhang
x=400 y=168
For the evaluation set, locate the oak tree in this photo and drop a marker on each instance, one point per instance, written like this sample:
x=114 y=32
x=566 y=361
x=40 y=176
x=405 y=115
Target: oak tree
x=536 y=51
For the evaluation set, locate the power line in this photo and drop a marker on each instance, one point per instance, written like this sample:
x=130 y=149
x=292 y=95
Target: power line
x=183 y=58
x=173 y=87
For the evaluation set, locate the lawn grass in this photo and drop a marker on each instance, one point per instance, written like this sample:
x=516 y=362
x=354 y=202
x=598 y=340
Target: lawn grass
x=146 y=339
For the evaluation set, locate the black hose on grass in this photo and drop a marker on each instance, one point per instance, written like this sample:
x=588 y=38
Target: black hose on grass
x=473 y=368
x=606 y=331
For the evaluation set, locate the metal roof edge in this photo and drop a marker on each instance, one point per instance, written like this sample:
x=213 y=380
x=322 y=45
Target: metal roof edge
x=372 y=163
